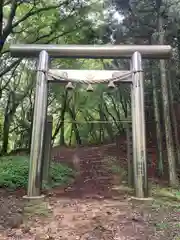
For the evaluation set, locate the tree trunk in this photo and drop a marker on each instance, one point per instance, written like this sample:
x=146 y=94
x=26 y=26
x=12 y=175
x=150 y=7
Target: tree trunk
x=75 y=127
x=101 y=129
x=63 y=111
x=118 y=125
x=62 y=115
x=70 y=138
x=9 y=113
x=158 y=124
x=178 y=43
x=92 y=129
x=108 y=128
x=62 y=141
x=5 y=134
x=76 y=131
x=174 y=120
x=166 y=110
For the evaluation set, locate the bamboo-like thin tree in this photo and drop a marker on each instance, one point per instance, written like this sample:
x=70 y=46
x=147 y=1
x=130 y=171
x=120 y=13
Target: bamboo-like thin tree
x=174 y=120
x=157 y=122
x=166 y=110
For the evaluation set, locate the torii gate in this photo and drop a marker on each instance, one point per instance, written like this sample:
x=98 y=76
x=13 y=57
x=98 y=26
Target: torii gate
x=133 y=52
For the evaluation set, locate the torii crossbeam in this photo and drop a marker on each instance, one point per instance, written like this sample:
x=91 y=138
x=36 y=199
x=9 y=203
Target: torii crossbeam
x=91 y=51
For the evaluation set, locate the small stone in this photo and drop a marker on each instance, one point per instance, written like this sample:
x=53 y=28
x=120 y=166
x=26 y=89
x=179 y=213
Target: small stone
x=18 y=233
x=42 y=237
x=26 y=229
x=109 y=213
x=19 y=210
x=15 y=221
x=11 y=233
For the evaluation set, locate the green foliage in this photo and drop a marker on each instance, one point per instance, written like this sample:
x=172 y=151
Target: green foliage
x=60 y=174
x=116 y=169
x=114 y=166
x=55 y=22
x=14 y=173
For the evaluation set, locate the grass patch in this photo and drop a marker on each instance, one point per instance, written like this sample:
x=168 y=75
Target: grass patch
x=114 y=166
x=166 y=194
x=165 y=198
x=39 y=209
x=123 y=189
x=116 y=169
x=161 y=226
x=14 y=173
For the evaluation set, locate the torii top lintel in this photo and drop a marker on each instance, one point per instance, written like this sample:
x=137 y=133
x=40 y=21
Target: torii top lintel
x=91 y=51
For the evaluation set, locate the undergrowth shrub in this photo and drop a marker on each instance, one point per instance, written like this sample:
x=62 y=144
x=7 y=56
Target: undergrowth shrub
x=114 y=166
x=14 y=173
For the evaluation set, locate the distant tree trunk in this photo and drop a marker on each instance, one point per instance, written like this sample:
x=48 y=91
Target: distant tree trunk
x=101 y=125
x=158 y=124
x=178 y=43
x=174 y=120
x=6 y=134
x=108 y=128
x=70 y=138
x=9 y=113
x=76 y=131
x=101 y=130
x=166 y=110
x=29 y=117
x=118 y=125
x=63 y=111
x=75 y=127
x=60 y=123
x=92 y=129
x=62 y=141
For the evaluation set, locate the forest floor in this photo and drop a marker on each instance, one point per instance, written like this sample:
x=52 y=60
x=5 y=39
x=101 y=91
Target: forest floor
x=95 y=207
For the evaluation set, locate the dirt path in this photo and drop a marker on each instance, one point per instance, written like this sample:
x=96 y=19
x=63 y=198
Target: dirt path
x=89 y=209
x=91 y=219
x=85 y=219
